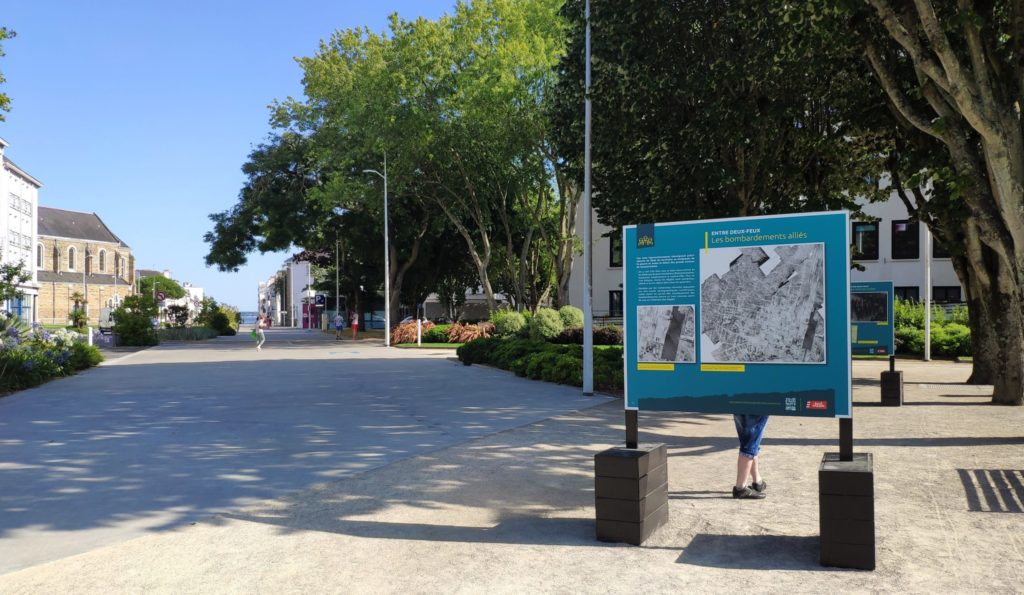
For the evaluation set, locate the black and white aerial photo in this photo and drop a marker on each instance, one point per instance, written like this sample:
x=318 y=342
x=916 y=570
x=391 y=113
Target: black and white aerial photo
x=666 y=333
x=869 y=307
x=763 y=304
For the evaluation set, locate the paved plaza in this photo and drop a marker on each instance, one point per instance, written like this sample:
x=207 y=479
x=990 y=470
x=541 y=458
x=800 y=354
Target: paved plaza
x=324 y=467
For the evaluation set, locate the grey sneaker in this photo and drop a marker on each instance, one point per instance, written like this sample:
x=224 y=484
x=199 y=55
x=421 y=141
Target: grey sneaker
x=747 y=493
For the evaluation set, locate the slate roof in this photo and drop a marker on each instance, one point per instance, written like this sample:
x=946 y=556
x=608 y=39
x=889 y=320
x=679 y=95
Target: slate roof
x=141 y=273
x=74 y=225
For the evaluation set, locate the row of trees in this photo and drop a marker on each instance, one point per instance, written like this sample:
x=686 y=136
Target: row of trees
x=702 y=108
x=738 y=107
x=456 y=107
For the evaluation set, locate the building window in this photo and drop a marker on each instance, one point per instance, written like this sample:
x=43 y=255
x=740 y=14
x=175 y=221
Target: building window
x=906 y=240
x=39 y=256
x=72 y=256
x=615 y=250
x=907 y=294
x=865 y=241
x=946 y=294
x=937 y=250
x=615 y=303
x=103 y=261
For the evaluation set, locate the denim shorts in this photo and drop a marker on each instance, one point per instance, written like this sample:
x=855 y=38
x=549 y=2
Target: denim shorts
x=750 y=429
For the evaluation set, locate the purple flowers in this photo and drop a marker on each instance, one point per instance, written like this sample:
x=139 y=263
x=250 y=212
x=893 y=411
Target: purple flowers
x=12 y=332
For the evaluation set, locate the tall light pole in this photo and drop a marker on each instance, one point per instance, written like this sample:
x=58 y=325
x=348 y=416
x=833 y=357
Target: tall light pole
x=588 y=305
x=387 y=265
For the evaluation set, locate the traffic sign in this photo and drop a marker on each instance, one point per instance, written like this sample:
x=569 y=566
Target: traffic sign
x=161 y=296
x=321 y=300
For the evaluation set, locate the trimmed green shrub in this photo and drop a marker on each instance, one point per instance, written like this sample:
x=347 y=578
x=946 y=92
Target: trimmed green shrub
x=546 y=324
x=83 y=356
x=546 y=361
x=437 y=334
x=951 y=340
x=572 y=317
x=194 y=333
x=508 y=323
x=909 y=340
x=608 y=335
x=221 y=322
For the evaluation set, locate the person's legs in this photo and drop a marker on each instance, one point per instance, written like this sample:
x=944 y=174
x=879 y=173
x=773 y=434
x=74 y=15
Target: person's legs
x=743 y=466
x=755 y=474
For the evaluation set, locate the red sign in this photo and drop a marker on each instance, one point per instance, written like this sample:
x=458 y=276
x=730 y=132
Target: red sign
x=817 y=405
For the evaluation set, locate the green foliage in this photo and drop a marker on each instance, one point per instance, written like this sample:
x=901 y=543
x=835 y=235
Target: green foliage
x=32 y=355
x=606 y=335
x=5 y=101
x=744 y=129
x=133 y=321
x=508 y=323
x=572 y=317
x=221 y=322
x=949 y=340
x=546 y=324
x=84 y=356
x=437 y=333
x=192 y=333
x=540 y=360
x=170 y=287
x=12 y=275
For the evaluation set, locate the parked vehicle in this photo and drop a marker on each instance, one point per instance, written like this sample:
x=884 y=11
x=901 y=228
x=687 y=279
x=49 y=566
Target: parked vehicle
x=106 y=320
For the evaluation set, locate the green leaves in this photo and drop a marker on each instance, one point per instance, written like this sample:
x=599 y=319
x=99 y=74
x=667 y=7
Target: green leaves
x=5 y=101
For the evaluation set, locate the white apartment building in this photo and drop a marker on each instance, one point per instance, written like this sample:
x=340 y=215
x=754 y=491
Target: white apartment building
x=890 y=248
x=19 y=202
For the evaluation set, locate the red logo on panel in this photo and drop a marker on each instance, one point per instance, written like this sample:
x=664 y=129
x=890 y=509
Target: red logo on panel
x=817 y=405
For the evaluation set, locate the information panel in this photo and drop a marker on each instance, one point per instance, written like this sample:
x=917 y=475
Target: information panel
x=748 y=315
x=871 y=318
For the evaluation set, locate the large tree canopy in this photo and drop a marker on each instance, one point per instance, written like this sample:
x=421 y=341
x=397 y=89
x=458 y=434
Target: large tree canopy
x=699 y=111
x=953 y=76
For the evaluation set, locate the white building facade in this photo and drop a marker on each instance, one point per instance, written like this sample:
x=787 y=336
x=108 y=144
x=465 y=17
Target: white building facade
x=19 y=193
x=888 y=245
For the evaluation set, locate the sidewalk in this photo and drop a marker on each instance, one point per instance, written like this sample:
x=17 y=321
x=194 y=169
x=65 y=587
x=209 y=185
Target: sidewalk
x=513 y=513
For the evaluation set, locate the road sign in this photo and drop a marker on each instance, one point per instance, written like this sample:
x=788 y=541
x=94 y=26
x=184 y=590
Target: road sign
x=748 y=315
x=161 y=296
x=321 y=300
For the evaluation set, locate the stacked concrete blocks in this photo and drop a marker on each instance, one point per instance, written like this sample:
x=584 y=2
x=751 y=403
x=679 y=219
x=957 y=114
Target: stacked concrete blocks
x=847 y=511
x=631 y=492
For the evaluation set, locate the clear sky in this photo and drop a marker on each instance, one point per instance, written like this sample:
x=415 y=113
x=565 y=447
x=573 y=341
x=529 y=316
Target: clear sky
x=143 y=111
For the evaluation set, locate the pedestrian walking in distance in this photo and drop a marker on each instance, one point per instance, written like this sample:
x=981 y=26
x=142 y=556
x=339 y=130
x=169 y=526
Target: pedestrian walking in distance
x=261 y=337
x=339 y=324
x=355 y=324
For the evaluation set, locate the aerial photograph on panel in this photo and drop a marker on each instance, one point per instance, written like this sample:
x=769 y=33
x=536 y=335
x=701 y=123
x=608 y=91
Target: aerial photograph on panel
x=666 y=333
x=869 y=307
x=763 y=304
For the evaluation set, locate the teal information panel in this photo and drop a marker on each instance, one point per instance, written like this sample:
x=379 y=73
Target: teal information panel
x=871 y=315
x=747 y=315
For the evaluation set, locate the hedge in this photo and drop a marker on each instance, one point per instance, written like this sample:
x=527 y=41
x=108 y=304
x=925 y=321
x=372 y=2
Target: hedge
x=541 y=360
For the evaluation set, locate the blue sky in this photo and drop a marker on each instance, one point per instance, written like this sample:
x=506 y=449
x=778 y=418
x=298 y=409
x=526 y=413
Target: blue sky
x=143 y=112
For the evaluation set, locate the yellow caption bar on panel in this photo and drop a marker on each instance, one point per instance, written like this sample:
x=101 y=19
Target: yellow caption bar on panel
x=883 y=324
x=656 y=367
x=867 y=342
x=723 y=368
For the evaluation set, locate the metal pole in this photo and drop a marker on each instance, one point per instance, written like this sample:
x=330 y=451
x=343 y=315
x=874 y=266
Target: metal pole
x=588 y=306
x=387 y=262
x=927 y=294
x=337 y=296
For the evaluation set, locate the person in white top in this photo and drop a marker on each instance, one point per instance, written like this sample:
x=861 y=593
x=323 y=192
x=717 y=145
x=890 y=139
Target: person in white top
x=262 y=338
x=339 y=323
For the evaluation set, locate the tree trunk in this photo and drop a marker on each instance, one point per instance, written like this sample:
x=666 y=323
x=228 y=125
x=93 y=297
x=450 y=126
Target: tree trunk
x=1008 y=377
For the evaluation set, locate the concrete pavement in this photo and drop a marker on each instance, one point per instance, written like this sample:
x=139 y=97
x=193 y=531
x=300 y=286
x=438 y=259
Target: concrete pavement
x=512 y=512
x=168 y=435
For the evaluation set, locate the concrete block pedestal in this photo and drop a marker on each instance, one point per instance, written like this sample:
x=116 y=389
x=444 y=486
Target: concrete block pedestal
x=846 y=492
x=892 y=388
x=631 y=492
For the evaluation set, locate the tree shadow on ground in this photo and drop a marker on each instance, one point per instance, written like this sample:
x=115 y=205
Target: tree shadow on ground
x=753 y=552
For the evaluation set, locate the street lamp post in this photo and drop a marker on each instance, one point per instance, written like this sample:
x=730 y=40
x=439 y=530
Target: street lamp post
x=387 y=266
